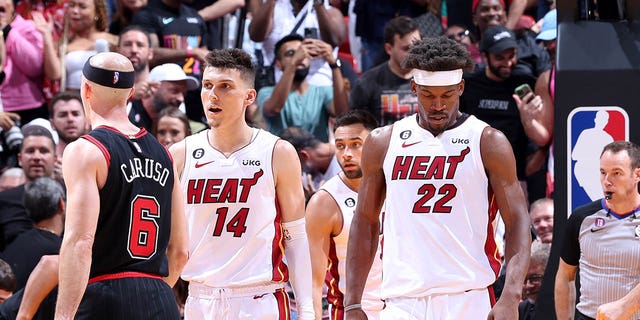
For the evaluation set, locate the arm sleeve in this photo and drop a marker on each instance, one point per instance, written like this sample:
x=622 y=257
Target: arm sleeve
x=299 y=262
x=570 y=249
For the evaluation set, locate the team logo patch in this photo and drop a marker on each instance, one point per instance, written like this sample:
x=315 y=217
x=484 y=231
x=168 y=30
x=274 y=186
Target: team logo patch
x=589 y=129
x=350 y=202
x=404 y=135
x=116 y=77
x=198 y=153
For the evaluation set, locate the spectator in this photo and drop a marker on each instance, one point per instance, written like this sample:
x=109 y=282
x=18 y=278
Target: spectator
x=69 y=122
x=329 y=214
x=533 y=281
x=30 y=57
x=44 y=201
x=372 y=17
x=488 y=93
x=274 y=19
x=172 y=126
x=51 y=10
x=600 y=240
x=213 y=12
x=135 y=44
x=294 y=101
x=87 y=36
x=541 y=213
x=7 y=281
x=464 y=36
x=37 y=158
x=11 y=178
x=532 y=59
x=178 y=35
x=318 y=159
x=125 y=9
x=173 y=85
x=385 y=90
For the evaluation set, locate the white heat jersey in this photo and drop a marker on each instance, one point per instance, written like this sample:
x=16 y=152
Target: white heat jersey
x=347 y=199
x=235 y=233
x=439 y=208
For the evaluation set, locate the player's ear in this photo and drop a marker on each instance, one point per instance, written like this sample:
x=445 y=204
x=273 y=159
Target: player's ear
x=636 y=174
x=250 y=97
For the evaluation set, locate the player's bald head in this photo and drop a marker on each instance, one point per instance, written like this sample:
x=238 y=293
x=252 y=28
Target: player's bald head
x=111 y=61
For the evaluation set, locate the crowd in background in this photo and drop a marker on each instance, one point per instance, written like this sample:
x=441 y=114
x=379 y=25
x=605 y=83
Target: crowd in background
x=317 y=59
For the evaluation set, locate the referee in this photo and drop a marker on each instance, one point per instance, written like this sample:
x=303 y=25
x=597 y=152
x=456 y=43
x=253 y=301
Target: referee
x=602 y=238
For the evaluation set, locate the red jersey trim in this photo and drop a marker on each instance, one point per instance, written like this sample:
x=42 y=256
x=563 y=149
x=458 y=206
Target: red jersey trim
x=140 y=133
x=490 y=247
x=280 y=270
x=100 y=146
x=121 y=275
x=335 y=297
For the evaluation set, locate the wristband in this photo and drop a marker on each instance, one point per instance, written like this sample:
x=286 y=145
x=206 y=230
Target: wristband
x=352 y=307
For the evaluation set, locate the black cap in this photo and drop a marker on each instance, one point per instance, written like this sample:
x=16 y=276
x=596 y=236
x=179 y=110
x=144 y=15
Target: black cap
x=497 y=39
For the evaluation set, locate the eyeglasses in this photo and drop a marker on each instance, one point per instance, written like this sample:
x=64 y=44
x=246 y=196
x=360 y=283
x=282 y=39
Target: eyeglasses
x=461 y=35
x=534 y=278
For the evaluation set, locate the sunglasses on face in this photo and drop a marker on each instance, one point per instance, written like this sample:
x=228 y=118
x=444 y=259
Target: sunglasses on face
x=461 y=35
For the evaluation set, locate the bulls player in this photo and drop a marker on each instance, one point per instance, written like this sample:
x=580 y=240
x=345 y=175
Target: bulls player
x=329 y=213
x=124 y=214
x=444 y=175
x=244 y=206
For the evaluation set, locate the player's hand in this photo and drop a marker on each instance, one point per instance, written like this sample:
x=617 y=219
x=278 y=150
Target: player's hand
x=504 y=310
x=614 y=311
x=355 y=314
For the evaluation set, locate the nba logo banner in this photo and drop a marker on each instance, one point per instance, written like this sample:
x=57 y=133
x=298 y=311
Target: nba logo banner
x=589 y=129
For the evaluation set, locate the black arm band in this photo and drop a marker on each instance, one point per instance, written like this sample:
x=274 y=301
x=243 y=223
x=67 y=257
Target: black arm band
x=109 y=78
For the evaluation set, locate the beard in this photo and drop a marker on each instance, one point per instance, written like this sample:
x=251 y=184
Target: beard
x=497 y=72
x=138 y=67
x=300 y=74
x=357 y=174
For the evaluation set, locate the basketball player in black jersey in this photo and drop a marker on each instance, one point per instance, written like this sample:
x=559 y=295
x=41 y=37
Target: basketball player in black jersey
x=125 y=231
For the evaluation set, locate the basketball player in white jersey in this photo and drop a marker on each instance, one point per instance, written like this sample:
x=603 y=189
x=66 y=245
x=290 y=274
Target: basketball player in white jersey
x=244 y=206
x=329 y=214
x=443 y=174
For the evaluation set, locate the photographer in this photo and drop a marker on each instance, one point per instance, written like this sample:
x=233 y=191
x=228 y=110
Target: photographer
x=295 y=102
x=11 y=139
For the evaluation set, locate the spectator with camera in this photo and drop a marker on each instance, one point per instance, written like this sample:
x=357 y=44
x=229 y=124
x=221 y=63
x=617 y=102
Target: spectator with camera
x=293 y=101
x=274 y=19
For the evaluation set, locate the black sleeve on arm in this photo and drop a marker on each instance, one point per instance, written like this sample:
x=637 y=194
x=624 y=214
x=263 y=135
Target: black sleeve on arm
x=570 y=249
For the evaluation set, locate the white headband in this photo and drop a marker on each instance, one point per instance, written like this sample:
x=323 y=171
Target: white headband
x=437 y=78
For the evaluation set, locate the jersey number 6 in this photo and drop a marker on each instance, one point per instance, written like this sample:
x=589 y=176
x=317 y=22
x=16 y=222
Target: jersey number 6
x=143 y=228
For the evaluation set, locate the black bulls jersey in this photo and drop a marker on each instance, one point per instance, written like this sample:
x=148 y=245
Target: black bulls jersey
x=135 y=204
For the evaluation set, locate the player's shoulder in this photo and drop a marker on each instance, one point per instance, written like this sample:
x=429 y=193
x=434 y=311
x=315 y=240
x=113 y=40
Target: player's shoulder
x=84 y=153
